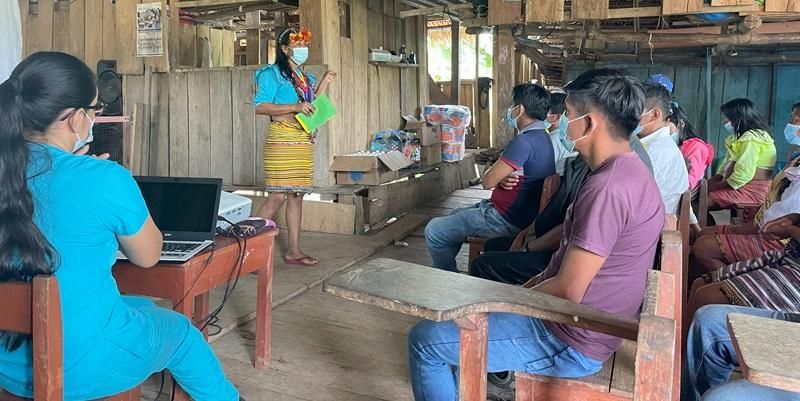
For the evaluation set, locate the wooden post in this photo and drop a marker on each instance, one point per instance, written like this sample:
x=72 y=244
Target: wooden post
x=423 y=90
x=455 y=75
x=253 y=38
x=476 y=93
x=503 y=68
x=472 y=357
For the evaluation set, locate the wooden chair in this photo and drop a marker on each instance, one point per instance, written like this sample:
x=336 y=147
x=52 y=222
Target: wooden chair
x=630 y=373
x=549 y=188
x=702 y=204
x=645 y=370
x=35 y=308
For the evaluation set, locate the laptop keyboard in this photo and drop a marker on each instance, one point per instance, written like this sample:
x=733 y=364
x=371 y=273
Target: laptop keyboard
x=179 y=247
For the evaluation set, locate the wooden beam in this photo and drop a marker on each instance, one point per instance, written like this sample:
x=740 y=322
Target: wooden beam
x=544 y=10
x=213 y=3
x=253 y=38
x=635 y=12
x=662 y=37
x=455 y=73
x=503 y=70
x=434 y=10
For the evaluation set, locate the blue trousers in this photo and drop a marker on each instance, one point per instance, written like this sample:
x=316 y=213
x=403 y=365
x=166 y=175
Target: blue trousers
x=170 y=342
x=445 y=235
x=516 y=342
x=711 y=357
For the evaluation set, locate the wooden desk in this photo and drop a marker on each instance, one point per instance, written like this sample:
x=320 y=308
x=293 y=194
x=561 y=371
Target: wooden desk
x=187 y=285
x=768 y=350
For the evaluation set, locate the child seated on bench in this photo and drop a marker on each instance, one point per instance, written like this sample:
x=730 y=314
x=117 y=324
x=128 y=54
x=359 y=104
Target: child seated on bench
x=529 y=157
x=609 y=244
x=711 y=357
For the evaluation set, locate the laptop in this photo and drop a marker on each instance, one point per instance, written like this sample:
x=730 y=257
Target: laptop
x=185 y=210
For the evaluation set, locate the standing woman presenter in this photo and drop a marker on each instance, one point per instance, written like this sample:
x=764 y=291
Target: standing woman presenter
x=283 y=91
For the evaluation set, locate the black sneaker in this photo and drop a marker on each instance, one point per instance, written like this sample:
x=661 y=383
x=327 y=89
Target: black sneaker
x=500 y=386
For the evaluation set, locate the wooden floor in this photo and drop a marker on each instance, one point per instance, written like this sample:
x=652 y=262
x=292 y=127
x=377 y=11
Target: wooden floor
x=326 y=348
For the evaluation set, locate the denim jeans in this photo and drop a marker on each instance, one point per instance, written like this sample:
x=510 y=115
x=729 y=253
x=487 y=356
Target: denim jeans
x=711 y=357
x=516 y=342
x=444 y=235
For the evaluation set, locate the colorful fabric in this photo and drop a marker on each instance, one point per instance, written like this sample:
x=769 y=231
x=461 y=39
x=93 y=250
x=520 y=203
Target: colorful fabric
x=618 y=215
x=531 y=154
x=273 y=87
x=288 y=158
x=303 y=86
x=754 y=193
x=739 y=247
x=699 y=155
x=753 y=149
x=770 y=281
x=662 y=80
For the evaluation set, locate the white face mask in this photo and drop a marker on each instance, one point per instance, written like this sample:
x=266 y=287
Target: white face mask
x=89 y=136
x=791 y=133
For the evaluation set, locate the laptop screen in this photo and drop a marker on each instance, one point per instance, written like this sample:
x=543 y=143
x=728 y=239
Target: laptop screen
x=182 y=208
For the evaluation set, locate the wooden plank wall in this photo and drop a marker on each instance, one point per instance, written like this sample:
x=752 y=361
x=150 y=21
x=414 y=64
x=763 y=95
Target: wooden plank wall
x=201 y=122
x=94 y=30
x=773 y=88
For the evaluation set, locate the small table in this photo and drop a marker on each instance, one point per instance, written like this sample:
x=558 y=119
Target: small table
x=187 y=285
x=768 y=350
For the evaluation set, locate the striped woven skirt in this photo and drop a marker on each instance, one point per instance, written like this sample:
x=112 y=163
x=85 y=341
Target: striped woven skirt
x=771 y=281
x=288 y=158
x=739 y=247
x=754 y=193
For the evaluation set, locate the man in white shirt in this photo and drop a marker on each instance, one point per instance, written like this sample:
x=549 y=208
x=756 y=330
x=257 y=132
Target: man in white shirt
x=669 y=166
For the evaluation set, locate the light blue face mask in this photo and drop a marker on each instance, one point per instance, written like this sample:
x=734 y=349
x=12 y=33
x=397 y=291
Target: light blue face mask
x=561 y=131
x=791 y=133
x=510 y=120
x=729 y=127
x=89 y=136
x=299 y=55
x=568 y=143
x=547 y=125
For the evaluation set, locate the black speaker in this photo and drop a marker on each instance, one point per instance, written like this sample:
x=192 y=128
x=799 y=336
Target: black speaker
x=109 y=87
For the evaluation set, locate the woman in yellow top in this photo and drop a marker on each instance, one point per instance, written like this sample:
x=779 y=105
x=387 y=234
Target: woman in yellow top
x=745 y=174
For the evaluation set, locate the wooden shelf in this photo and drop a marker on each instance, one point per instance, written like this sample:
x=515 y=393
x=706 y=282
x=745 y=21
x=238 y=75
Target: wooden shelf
x=394 y=65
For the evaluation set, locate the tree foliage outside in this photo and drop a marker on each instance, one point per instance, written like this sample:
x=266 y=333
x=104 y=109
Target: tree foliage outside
x=440 y=51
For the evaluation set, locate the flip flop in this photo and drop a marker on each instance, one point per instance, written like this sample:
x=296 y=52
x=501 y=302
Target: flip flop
x=307 y=261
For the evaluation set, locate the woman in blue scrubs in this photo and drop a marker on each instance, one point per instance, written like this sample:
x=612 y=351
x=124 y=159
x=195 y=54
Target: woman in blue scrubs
x=67 y=214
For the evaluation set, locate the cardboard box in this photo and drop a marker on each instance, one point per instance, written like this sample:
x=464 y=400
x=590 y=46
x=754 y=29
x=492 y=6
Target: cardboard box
x=430 y=155
x=369 y=168
x=426 y=133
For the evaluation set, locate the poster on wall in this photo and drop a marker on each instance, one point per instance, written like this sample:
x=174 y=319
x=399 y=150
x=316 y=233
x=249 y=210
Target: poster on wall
x=149 y=36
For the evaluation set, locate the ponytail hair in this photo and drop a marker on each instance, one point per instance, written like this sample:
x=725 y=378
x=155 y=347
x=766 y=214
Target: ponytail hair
x=281 y=58
x=38 y=93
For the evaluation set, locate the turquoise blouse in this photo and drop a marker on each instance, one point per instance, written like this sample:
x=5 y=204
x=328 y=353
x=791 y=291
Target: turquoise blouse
x=81 y=204
x=272 y=87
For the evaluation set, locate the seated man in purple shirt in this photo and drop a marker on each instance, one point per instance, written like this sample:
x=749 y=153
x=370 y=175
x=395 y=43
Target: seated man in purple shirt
x=609 y=244
x=529 y=157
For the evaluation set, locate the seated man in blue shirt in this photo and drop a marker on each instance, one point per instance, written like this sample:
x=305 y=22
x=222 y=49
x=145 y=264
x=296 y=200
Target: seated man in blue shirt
x=529 y=157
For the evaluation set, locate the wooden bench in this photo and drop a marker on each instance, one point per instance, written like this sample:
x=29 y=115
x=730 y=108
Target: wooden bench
x=652 y=362
x=35 y=308
x=549 y=188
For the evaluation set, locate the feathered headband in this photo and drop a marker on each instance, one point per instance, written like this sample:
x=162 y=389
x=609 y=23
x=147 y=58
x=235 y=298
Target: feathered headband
x=296 y=37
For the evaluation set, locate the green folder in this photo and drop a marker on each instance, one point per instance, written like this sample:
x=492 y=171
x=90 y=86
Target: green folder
x=325 y=110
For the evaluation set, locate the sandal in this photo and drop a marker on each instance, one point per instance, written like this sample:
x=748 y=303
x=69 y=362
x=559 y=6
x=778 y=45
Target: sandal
x=306 y=261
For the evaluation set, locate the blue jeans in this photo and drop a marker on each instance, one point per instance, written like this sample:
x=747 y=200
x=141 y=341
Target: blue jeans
x=445 y=235
x=516 y=342
x=711 y=357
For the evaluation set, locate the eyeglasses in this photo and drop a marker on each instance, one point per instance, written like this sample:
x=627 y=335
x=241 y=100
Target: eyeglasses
x=98 y=108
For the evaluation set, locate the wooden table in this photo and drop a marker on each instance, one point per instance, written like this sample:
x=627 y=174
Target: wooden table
x=768 y=350
x=187 y=285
